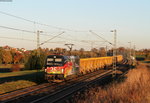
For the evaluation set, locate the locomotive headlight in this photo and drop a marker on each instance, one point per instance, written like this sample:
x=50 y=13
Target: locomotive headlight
x=62 y=70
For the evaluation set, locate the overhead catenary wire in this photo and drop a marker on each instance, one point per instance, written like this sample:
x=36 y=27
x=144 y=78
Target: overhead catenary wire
x=52 y=38
x=75 y=40
x=59 y=28
x=29 y=39
x=18 y=17
x=16 y=29
x=5 y=27
x=101 y=37
x=17 y=38
x=22 y=30
x=43 y=24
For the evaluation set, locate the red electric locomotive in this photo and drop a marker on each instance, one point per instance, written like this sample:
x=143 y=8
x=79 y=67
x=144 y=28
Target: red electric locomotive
x=59 y=67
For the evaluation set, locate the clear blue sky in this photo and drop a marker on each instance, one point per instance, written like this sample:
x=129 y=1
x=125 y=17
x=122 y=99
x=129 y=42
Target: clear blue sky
x=131 y=19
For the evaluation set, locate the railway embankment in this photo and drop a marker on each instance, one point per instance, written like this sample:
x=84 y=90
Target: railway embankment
x=13 y=81
x=134 y=87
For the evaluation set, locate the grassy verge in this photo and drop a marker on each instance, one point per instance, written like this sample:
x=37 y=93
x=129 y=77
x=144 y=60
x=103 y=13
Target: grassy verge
x=5 y=65
x=10 y=65
x=32 y=75
x=11 y=86
x=17 y=80
x=19 y=73
x=135 y=89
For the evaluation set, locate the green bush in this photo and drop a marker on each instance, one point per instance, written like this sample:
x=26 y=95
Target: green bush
x=34 y=61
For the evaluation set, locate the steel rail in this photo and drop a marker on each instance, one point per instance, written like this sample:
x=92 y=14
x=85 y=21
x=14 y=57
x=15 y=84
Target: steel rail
x=60 y=94
x=27 y=91
x=20 y=93
x=56 y=98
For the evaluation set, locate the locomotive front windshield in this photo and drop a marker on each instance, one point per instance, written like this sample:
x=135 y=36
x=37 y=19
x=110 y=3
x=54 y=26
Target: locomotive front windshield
x=55 y=61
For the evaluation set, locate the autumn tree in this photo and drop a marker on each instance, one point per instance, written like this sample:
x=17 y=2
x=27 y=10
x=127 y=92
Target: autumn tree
x=102 y=52
x=1 y=55
x=7 y=57
x=18 y=58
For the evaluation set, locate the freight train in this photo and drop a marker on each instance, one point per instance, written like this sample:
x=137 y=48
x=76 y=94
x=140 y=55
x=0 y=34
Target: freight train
x=60 y=67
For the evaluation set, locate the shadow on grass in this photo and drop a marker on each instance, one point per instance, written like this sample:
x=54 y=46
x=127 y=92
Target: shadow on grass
x=5 y=70
x=37 y=77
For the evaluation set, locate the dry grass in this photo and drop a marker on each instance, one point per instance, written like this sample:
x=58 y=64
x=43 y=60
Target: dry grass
x=135 y=89
x=12 y=86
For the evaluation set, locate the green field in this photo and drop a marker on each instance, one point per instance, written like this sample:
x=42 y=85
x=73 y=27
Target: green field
x=19 y=73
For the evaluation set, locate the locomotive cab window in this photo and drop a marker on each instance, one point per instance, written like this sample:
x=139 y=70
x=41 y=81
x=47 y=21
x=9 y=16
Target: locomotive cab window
x=50 y=60
x=56 y=60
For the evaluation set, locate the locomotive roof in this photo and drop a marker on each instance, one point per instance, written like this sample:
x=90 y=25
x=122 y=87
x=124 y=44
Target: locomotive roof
x=57 y=56
x=61 y=56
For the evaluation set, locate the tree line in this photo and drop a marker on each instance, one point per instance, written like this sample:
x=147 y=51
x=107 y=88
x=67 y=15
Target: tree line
x=145 y=53
x=35 y=59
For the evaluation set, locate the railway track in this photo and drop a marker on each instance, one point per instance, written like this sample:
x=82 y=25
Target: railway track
x=23 y=92
x=51 y=87
x=61 y=94
x=55 y=91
